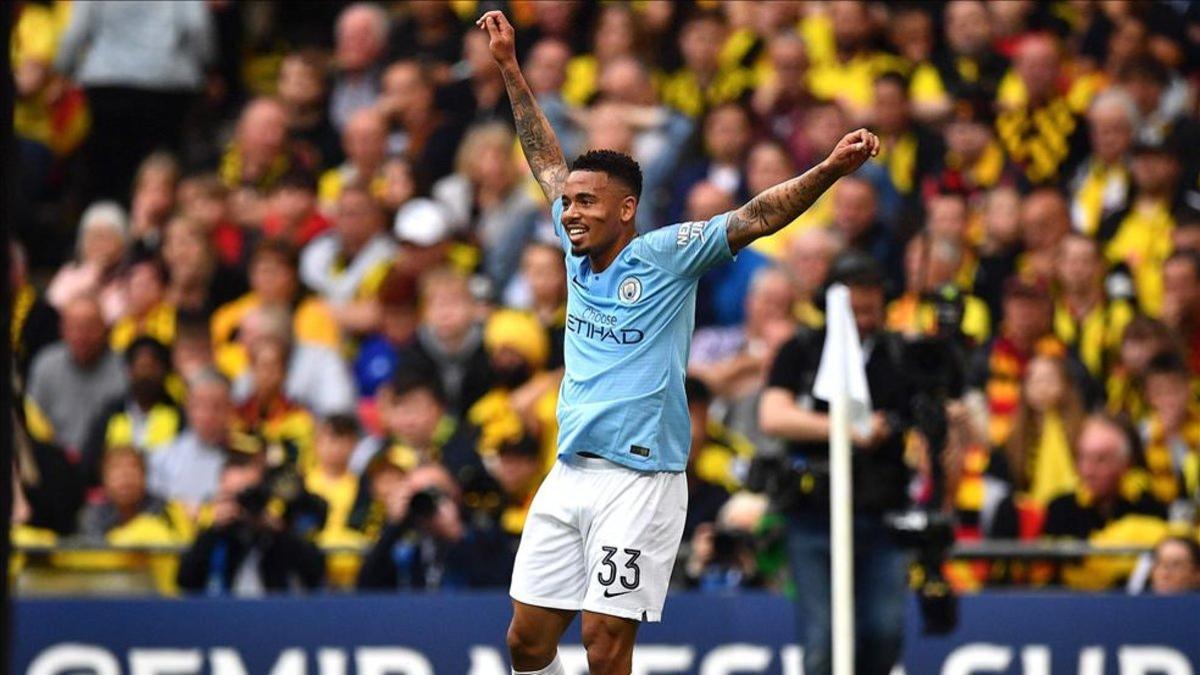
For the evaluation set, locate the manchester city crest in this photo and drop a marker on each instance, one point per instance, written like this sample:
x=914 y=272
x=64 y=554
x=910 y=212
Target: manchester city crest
x=630 y=290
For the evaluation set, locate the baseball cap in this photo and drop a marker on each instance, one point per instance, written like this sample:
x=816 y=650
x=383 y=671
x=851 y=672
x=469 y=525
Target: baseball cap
x=421 y=222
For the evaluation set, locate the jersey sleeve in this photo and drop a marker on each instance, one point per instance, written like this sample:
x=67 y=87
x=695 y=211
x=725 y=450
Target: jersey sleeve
x=689 y=249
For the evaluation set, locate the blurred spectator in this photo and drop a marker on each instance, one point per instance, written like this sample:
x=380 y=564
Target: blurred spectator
x=144 y=418
x=614 y=37
x=485 y=200
x=767 y=165
x=702 y=82
x=317 y=377
x=423 y=524
x=417 y=428
x=71 y=380
x=428 y=32
x=128 y=514
x=717 y=460
x=247 y=551
x=997 y=369
x=267 y=413
x=345 y=265
x=420 y=132
x=1176 y=566
x=1105 y=508
x=965 y=66
x=1038 y=457
x=517 y=405
x=450 y=340
x=1139 y=235
x=422 y=227
x=197 y=281
x=209 y=203
x=100 y=249
x=147 y=311
x=301 y=89
x=721 y=555
x=789 y=410
x=291 y=213
x=1041 y=132
x=719 y=298
x=782 y=99
x=907 y=151
x=545 y=70
x=1170 y=434
x=1143 y=339
x=1160 y=100
x=378 y=356
x=911 y=34
x=733 y=361
x=1186 y=235
x=1181 y=303
x=845 y=60
x=330 y=477
x=1000 y=246
x=545 y=280
x=855 y=222
x=809 y=256
x=1086 y=319
x=153 y=200
x=360 y=39
x=974 y=160
x=141 y=66
x=1045 y=220
x=931 y=267
x=1101 y=185
x=364 y=139
x=260 y=153
x=726 y=140
x=477 y=94
x=189 y=469
x=273 y=283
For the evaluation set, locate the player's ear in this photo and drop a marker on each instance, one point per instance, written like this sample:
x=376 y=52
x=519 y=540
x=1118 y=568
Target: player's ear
x=628 y=208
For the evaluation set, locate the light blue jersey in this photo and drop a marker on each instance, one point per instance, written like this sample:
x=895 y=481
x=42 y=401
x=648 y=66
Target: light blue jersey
x=628 y=333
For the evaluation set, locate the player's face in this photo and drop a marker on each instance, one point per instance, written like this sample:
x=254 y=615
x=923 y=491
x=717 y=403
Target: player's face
x=596 y=210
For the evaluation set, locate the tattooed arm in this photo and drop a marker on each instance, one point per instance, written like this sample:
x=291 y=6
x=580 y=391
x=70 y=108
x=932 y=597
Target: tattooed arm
x=537 y=138
x=777 y=206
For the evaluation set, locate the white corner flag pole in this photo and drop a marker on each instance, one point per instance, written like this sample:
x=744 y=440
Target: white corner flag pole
x=841 y=544
x=842 y=381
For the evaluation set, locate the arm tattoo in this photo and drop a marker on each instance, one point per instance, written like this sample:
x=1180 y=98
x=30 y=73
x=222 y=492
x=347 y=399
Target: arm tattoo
x=777 y=206
x=537 y=138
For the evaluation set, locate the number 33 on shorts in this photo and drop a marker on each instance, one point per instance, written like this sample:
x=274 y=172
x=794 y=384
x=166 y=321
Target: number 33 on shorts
x=630 y=576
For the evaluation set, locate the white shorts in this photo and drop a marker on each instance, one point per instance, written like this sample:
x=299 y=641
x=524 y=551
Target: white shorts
x=602 y=538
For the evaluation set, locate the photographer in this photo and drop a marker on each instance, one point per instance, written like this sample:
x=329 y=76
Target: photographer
x=250 y=549
x=423 y=523
x=880 y=478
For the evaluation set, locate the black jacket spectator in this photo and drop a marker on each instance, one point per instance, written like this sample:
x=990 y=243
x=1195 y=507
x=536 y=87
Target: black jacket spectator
x=285 y=561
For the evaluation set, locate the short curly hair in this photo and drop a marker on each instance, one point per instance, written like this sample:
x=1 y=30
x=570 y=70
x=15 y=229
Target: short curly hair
x=617 y=165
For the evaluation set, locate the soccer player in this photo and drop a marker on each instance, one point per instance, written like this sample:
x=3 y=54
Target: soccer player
x=604 y=528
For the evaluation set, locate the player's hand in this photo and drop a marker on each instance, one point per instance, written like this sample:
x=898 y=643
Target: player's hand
x=852 y=151
x=503 y=42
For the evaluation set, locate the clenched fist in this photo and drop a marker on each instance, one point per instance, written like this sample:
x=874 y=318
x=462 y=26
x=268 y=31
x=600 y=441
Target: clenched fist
x=852 y=151
x=503 y=42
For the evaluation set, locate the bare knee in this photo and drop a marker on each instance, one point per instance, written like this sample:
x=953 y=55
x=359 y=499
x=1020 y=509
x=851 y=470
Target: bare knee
x=529 y=648
x=609 y=642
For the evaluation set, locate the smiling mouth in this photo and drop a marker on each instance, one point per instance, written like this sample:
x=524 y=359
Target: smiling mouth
x=576 y=234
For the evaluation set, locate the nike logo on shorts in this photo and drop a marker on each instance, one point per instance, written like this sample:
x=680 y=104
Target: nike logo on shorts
x=609 y=594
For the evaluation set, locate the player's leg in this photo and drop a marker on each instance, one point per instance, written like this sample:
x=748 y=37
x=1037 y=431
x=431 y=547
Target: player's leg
x=549 y=575
x=533 y=638
x=633 y=534
x=609 y=642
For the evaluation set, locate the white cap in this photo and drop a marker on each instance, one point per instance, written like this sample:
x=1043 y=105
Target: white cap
x=422 y=222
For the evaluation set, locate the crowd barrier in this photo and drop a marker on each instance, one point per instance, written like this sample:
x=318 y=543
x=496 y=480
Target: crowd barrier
x=463 y=634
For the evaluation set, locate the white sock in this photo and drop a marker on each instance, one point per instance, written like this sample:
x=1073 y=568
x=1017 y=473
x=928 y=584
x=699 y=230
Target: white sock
x=555 y=668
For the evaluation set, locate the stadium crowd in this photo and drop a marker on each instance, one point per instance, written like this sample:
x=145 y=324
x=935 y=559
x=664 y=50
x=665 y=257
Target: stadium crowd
x=284 y=293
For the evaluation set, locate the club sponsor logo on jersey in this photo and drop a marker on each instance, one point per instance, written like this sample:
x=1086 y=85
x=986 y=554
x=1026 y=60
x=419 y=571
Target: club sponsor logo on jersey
x=602 y=327
x=689 y=231
x=630 y=290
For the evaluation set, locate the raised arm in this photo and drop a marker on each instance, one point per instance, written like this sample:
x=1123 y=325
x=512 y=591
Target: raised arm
x=777 y=206
x=537 y=137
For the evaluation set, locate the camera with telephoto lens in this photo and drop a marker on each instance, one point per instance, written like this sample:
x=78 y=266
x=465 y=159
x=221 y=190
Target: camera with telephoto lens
x=423 y=505
x=930 y=534
x=301 y=511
